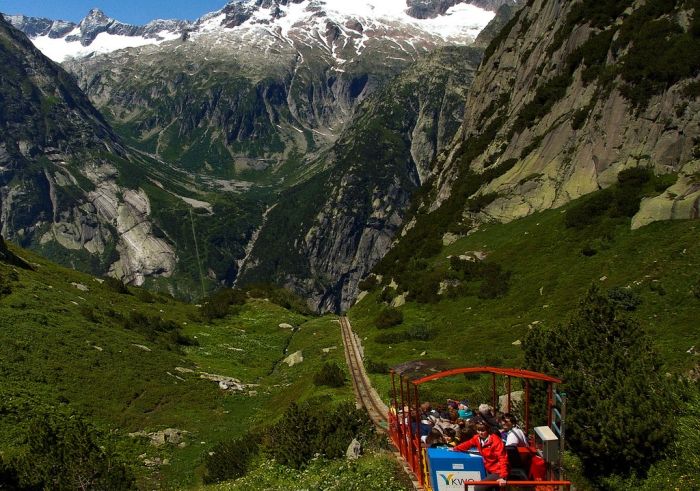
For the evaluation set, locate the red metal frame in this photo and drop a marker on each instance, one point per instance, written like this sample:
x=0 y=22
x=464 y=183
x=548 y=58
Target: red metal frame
x=510 y=372
x=409 y=444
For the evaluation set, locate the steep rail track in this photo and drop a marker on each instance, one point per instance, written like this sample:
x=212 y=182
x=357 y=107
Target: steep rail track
x=365 y=393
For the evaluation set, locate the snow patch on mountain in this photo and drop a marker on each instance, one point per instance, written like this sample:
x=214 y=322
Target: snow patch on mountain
x=333 y=24
x=61 y=49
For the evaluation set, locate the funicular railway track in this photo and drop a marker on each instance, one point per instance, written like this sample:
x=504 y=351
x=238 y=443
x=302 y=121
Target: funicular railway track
x=365 y=393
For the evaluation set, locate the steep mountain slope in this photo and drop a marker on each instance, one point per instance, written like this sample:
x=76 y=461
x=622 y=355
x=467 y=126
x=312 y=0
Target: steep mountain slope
x=59 y=165
x=570 y=94
x=328 y=232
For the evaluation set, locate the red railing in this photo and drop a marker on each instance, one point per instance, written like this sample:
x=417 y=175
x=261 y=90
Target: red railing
x=538 y=485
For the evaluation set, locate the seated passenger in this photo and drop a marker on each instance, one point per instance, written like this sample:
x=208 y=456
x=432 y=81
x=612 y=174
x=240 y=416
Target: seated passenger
x=464 y=411
x=449 y=436
x=492 y=450
x=428 y=413
x=511 y=434
x=452 y=414
x=486 y=415
x=435 y=439
x=467 y=429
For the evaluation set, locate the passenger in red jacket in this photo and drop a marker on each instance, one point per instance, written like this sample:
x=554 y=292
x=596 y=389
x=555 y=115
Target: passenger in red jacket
x=493 y=452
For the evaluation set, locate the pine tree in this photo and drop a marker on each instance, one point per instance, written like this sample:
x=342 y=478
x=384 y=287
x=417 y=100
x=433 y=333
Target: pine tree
x=63 y=454
x=620 y=410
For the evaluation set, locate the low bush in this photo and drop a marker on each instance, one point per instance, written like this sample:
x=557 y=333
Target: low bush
x=66 y=453
x=88 y=314
x=306 y=430
x=279 y=296
x=6 y=280
x=230 y=459
x=388 y=294
x=218 y=305
x=390 y=337
x=424 y=287
x=116 y=285
x=156 y=329
x=589 y=210
x=389 y=317
x=495 y=284
x=377 y=367
x=145 y=296
x=368 y=283
x=330 y=374
x=420 y=332
x=624 y=298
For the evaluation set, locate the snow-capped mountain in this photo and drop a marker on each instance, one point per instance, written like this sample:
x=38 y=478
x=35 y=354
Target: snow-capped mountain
x=249 y=102
x=96 y=33
x=411 y=23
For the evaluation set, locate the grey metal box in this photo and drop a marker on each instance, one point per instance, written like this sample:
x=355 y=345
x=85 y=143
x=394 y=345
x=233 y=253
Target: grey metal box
x=547 y=443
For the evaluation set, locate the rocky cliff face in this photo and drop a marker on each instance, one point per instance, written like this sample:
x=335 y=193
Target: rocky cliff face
x=570 y=94
x=328 y=232
x=59 y=164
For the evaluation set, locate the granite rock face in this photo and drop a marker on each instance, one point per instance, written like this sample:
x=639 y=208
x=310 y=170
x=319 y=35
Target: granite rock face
x=584 y=137
x=347 y=216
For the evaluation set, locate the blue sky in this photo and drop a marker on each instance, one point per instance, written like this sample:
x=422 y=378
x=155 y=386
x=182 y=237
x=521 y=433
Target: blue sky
x=129 y=11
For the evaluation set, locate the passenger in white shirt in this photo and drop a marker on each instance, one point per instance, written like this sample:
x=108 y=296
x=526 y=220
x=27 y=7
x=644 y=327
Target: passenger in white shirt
x=511 y=434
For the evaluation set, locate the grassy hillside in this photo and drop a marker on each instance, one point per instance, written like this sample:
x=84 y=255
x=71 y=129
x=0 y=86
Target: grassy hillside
x=544 y=268
x=128 y=360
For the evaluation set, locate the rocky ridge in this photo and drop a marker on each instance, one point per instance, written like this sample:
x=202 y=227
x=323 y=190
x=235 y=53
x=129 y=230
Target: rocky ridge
x=59 y=168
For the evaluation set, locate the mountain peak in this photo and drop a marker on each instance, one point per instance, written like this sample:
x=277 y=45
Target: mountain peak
x=96 y=16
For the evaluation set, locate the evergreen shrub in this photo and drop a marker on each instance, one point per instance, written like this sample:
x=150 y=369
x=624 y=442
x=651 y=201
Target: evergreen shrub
x=5 y=284
x=614 y=383
x=389 y=317
x=624 y=298
x=377 y=367
x=217 y=306
x=391 y=337
x=230 y=459
x=330 y=374
x=156 y=329
x=307 y=429
x=368 y=283
x=116 y=285
x=495 y=283
x=66 y=453
x=388 y=294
